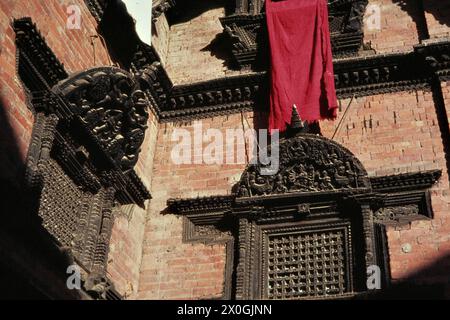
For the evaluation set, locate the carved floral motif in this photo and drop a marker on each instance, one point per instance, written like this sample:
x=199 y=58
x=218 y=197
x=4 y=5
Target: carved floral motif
x=397 y=213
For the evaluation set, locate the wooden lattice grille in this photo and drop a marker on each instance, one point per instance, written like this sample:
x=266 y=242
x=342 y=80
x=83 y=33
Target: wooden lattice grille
x=308 y=263
x=60 y=204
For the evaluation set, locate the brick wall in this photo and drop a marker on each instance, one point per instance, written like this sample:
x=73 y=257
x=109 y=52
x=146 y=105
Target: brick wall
x=398 y=133
x=125 y=253
x=191 y=46
x=389 y=133
x=398 y=26
x=171 y=268
x=160 y=37
x=403 y=24
x=144 y=165
x=72 y=47
x=127 y=236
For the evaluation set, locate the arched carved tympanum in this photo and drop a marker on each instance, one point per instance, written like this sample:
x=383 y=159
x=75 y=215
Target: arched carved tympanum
x=308 y=163
x=112 y=106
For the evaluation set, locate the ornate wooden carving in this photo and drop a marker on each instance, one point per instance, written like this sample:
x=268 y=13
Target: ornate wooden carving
x=437 y=57
x=206 y=204
x=245 y=33
x=404 y=197
x=398 y=213
x=315 y=238
x=308 y=261
x=81 y=178
x=110 y=104
x=405 y=181
x=249 y=6
x=37 y=64
x=86 y=139
x=211 y=98
x=357 y=76
x=360 y=76
x=308 y=163
x=286 y=218
x=380 y=74
x=80 y=185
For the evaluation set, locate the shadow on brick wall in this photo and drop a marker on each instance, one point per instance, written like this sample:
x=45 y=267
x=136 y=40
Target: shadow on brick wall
x=439 y=9
x=219 y=48
x=416 y=9
x=429 y=283
x=187 y=10
x=416 y=12
x=29 y=258
x=119 y=31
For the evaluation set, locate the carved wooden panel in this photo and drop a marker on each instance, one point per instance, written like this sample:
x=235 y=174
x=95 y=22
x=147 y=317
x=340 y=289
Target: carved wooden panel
x=308 y=163
x=76 y=209
x=110 y=105
x=319 y=254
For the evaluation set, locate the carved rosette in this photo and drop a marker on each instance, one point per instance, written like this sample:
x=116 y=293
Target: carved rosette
x=110 y=104
x=308 y=163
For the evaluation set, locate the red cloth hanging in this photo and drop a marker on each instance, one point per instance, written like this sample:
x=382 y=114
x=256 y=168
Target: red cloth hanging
x=302 y=66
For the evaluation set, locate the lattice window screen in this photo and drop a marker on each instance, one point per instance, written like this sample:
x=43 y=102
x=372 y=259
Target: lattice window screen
x=308 y=263
x=60 y=204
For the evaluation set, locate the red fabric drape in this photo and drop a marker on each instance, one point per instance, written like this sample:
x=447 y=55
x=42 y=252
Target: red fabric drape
x=302 y=67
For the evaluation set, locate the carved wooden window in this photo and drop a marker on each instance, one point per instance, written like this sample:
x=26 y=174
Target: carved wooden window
x=86 y=140
x=313 y=230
